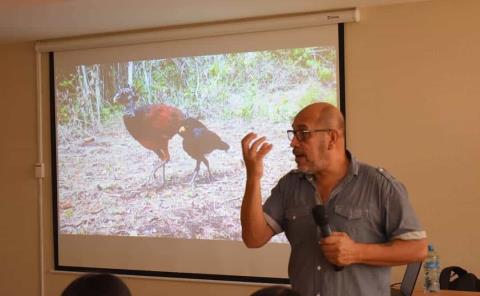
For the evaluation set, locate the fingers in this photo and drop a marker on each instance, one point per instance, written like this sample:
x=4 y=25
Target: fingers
x=339 y=249
x=264 y=149
x=333 y=239
x=257 y=143
x=339 y=234
x=253 y=146
x=246 y=142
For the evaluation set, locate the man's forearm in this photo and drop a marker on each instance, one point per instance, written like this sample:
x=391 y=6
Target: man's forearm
x=255 y=230
x=396 y=252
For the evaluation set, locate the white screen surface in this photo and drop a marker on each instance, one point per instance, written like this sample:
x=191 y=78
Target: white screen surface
x=114 y=212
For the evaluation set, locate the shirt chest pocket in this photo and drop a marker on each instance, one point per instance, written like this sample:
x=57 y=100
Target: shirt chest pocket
x=300 y=225
x=350 y=213
x=352 y=220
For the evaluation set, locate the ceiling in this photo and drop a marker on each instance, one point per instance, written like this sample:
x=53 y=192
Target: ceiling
x=28 y=20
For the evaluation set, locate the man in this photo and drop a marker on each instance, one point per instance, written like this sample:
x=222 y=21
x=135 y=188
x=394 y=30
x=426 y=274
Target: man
x=374 y=224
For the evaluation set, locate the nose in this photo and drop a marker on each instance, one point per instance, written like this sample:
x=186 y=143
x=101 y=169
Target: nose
x=294 y=142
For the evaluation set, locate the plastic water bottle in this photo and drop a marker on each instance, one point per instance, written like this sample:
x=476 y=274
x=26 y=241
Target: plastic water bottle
x=431 y=268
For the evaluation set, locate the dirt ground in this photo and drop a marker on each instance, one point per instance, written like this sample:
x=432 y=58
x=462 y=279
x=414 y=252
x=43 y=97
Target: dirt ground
x=106 y=184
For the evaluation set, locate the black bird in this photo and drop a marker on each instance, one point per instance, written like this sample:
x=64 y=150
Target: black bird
x=198 y=141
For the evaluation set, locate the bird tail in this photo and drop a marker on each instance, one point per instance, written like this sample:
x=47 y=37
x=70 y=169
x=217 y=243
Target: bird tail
x=223 y=146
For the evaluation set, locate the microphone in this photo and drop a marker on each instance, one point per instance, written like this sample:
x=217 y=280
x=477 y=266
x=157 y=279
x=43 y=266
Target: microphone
x=321 y=219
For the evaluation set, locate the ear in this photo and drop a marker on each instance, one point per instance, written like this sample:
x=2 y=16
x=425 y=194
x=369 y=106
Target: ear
x=334 y=137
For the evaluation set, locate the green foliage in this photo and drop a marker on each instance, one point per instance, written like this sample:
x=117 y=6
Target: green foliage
x=68 y=213
x=248 y=107
x=63 y=114
x=331 y=97
x=246 y=111
x=215 y=69
x=67 y=82
x=325 y=75
x=284 y=110
x=66 y=87
x=312 y=94
x=272 y=85
x=109 y=112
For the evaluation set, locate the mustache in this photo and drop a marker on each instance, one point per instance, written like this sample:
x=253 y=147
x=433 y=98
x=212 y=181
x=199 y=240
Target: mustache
x=297 y=152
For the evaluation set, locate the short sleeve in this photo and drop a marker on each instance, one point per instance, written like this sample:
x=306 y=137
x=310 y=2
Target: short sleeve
x=401 y=221
x=274 y=207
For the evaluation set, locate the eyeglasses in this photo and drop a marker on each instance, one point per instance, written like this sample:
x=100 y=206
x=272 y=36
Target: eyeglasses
x=302 y=135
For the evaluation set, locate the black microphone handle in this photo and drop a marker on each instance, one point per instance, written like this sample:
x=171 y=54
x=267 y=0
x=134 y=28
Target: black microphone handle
x=325 y=230
x=337 y=268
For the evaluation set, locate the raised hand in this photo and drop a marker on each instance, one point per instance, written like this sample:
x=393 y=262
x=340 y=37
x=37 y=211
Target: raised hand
x=254 y=150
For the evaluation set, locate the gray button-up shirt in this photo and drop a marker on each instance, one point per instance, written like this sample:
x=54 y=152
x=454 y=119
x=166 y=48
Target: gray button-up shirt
x=368 y=204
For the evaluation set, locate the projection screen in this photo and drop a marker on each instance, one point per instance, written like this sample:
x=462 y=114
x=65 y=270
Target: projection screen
x=132 y=123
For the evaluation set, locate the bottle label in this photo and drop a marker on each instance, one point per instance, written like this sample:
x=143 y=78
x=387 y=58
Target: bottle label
x=432 y=265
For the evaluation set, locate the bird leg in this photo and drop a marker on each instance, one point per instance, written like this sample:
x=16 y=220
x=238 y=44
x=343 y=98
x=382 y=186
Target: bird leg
x=210 y=178
x=197 y=169
x=195 y=172
x=161 y=164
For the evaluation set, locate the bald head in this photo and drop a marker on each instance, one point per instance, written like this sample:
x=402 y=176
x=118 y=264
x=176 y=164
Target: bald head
x=324 y=115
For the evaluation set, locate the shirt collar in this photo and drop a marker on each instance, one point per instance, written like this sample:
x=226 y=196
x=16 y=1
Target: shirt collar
x=353 y=167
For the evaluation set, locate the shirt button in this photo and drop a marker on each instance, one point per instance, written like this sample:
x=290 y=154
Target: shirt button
x=318 y=294
x=294 y=217
x=319 y=267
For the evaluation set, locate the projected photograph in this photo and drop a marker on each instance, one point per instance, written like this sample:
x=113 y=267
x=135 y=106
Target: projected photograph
x=152 y=148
